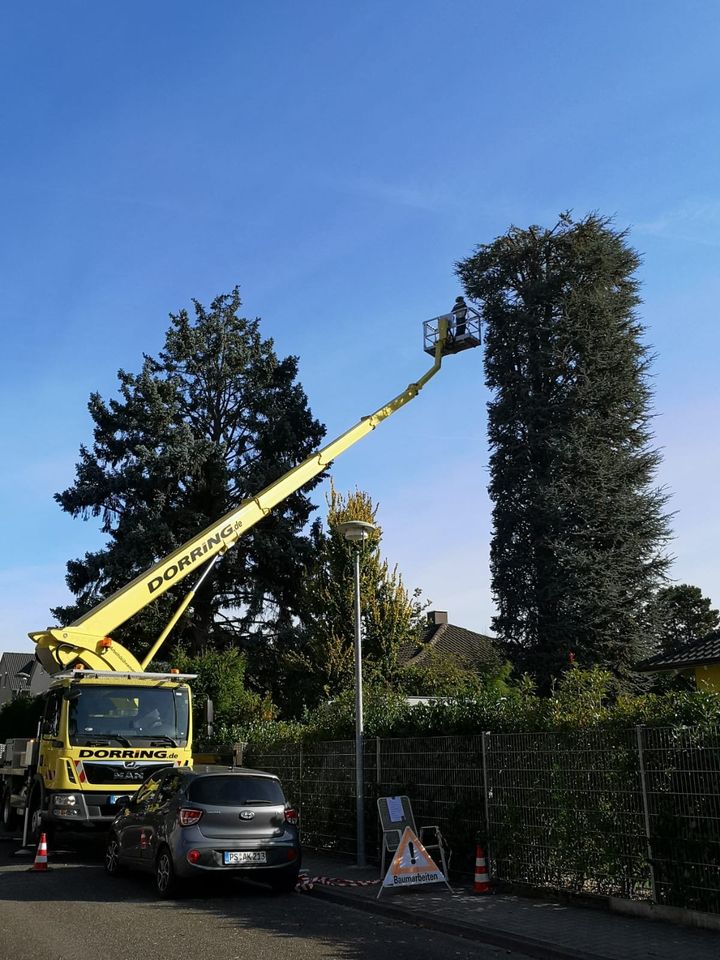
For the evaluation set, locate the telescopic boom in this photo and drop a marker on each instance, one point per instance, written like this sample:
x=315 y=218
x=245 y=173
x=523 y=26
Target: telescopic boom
x=86 y=639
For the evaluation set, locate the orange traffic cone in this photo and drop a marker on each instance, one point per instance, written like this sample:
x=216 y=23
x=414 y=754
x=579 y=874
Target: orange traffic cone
x=482 y=878
x=41 y=857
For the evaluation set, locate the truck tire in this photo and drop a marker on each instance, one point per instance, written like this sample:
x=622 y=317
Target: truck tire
x=36 y=825
x=9 y=813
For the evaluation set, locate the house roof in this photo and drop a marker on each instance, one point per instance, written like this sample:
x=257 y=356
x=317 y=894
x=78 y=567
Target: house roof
x=700 y=653
x=11 y=665
x=475 y=649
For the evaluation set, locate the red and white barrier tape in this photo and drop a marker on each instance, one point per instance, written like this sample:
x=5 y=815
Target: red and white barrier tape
x=306 y=882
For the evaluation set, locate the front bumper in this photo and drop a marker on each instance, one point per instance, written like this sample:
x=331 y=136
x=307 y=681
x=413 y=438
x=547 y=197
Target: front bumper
x=89 y=809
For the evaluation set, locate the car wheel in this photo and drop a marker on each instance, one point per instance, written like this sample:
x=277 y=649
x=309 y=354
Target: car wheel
x=166 y=883
x=112 y=857
x=285 y=881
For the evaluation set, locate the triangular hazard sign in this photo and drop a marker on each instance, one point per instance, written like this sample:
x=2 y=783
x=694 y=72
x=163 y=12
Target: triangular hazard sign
x=412 y=864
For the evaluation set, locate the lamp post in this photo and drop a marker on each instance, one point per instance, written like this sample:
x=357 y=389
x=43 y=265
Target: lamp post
x=357 y=532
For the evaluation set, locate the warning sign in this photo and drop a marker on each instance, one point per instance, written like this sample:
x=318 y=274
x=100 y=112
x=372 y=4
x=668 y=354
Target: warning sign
x=412 y=864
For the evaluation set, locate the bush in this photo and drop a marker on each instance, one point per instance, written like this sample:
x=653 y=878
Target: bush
x=221 y=678
x=580 y=700
x=19 y=717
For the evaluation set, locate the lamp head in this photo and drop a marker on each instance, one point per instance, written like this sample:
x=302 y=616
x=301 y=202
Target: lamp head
x=357 y=531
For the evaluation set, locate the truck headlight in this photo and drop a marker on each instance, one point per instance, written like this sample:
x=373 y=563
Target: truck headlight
x=64 y=800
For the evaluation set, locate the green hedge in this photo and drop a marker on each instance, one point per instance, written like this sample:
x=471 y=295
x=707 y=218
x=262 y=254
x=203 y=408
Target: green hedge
x=582 y=700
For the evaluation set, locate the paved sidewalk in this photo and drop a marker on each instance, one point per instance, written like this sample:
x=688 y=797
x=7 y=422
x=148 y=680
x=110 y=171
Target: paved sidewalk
x=538 y=928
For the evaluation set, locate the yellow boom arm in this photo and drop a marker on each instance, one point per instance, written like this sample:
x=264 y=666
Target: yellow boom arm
x=86 y=638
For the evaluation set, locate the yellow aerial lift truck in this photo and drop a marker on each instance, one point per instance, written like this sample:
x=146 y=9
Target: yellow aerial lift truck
x=106 y=722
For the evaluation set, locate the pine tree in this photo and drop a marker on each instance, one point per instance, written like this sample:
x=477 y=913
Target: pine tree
x=681 y=615
x=579 y=528
x=208 y=423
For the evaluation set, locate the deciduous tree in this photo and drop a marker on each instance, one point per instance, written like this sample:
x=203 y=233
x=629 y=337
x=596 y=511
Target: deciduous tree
x=323 y=663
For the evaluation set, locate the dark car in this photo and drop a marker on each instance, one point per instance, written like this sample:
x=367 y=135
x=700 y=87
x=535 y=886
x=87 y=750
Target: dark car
x=188 y=823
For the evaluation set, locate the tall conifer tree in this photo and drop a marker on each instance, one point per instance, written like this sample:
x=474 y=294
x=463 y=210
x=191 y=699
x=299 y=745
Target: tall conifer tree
x=579 y=527
x=215 y=418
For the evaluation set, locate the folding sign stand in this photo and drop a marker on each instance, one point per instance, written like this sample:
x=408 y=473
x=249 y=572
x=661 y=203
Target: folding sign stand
x=412 y=865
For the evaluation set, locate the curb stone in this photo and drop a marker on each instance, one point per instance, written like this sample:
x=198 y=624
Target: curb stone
x=541 y=950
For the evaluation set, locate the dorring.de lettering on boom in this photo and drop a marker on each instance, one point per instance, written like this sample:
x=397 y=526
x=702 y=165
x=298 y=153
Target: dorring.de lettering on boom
x=190 y=558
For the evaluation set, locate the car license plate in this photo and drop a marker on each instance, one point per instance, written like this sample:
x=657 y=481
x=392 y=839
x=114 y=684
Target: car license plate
x=245 y=856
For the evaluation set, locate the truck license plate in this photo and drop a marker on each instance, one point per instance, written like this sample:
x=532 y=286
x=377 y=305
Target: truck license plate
x=245 y=856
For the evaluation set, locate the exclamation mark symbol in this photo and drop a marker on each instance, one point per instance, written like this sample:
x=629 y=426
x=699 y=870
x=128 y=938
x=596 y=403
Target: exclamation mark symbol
x=413 y=858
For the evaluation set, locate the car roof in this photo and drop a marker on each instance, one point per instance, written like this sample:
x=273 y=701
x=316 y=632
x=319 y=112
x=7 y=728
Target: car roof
x=215 y=769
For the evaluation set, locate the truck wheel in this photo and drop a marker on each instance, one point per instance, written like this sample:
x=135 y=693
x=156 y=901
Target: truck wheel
x=9 y=813
x=166 y=882
x=35 y=818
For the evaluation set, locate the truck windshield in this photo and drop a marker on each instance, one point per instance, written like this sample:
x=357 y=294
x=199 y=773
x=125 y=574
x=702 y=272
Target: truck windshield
x=136 y=714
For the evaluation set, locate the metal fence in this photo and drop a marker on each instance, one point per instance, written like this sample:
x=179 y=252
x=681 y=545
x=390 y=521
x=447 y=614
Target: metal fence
x=633 y=813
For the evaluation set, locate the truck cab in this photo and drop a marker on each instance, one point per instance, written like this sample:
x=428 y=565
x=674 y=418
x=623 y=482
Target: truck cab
x=99 y=737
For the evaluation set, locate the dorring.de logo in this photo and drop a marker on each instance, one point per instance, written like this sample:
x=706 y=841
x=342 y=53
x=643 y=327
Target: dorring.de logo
x=132 y=755
x=188 y=559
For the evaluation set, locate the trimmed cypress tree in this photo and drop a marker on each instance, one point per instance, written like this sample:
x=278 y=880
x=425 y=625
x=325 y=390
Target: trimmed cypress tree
x=579 y=527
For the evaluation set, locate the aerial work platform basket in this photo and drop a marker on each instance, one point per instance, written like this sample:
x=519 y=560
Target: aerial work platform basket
x=463 y=329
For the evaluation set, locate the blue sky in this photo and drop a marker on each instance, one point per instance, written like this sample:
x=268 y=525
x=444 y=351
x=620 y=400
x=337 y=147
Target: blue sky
x=335 y=160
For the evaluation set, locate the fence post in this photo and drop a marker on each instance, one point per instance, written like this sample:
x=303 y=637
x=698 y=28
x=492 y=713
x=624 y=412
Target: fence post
x=646 y=812
x=300 y=781
x=378 y=777
x=485 y=735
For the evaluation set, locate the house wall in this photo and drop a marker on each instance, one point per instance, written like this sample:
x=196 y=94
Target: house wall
x=39 y=679
x=708 y=678
x=6 y=687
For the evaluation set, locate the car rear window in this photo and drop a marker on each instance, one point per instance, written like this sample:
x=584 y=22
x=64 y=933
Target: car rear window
x=236 y=791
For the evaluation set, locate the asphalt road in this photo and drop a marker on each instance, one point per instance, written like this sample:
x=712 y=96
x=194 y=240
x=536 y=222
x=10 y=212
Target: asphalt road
x=74 y=911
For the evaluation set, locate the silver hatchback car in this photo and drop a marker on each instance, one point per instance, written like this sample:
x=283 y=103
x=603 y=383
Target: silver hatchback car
x=184 y=823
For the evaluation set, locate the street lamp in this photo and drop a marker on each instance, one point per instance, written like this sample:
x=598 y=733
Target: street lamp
x=357 y=532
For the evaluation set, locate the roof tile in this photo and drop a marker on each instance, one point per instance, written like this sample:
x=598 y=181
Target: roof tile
x=700 y=653
x=475 y=648
x=11 y=664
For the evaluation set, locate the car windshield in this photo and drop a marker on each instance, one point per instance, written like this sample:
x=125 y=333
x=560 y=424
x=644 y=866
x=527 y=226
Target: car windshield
x=234 y=791
x=129 y=714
